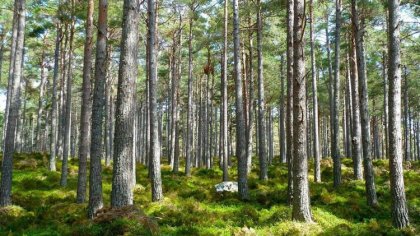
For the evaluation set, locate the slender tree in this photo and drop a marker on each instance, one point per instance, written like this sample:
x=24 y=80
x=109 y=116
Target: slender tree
x=335 y=143
x=240 y=119
x=96 y=148
x=155 y=175
x=364 y=112
x=54 y=109
x=261 y=100
x=86 y=107
x=356 y=132
x=68 y=102
x=289 y=108
x=282 y=135
x=301 y=202
x=189 y=140
x=317 y=165
x=14 y=100
x=224 y=118
x=399 y=207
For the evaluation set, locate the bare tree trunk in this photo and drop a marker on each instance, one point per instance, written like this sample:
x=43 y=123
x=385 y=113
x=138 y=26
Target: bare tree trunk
x=399 y=205
x=407 y=146
x=289 y=109
x=175 y=108
x=67 y=120
x=317 y=164
x=282 y=135
x=44 y=77
x=10 y=83
x=98 y=104
x=86 y=107
x=240 y=119
x=250 y=77
x=335 y=141
x=122 y=192
x=356 y=132
x=190 y=118
x=224 y=116
x=385 y=107
x=155 y=175
x=54 y=110
x=301 y=200
x=14 y=98
x=364 y=112
x=262 y=153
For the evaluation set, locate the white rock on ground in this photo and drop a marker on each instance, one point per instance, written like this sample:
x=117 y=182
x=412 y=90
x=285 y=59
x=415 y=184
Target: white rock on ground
x=227 y=186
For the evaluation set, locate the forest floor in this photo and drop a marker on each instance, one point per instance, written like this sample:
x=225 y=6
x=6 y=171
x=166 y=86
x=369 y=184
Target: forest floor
x=191 y=206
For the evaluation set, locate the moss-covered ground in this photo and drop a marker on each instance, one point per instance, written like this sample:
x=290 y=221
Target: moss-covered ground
x=191 y=207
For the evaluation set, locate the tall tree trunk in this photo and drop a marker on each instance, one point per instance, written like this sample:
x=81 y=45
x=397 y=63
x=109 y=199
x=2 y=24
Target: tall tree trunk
x=54 y=108
x=407 y=145
x=364 y=112
x=317 y=164
x=44 y=77
x=289 y=108
x=335 y=141
x=330 y=77
x=122 y=192
x=16 y=63
x=67 y=119
x=190 y=99
x=98 y=104
x=385 y=107
x=240 y=119
x=86 y=107
x=399 y=205
x=175 y=102
x=301 y=201
x=224 y=118
x=156 y=179
x=250 y=77
x=2 y=43
x=262 y=153
x=282 y=135
x=10 y=83
x=356 y=132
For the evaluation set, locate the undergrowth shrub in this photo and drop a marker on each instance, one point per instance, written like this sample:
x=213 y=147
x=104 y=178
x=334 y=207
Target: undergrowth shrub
x=120 y=221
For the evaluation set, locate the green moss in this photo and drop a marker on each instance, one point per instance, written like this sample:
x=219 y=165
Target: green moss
x=192 y=207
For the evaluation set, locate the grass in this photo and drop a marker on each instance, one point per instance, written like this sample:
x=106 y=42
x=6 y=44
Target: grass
x=191 y=207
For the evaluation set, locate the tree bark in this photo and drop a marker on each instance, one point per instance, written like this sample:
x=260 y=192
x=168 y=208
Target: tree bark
x=364 y=112
x=86 y=107
x=67 y=107
x=240 y=119
x=16 y=63
x=282 y=135
x=289 y=108
x=122 y=192
x=356 y=132
x=301 y=201
x=190 y=118
x=44 y=77
x=262 y=153
x=250 y=77
x=155 y=175
x=335 y=141
x=54 y=108
x=98 y=104
x=317 y=164
x=399 y=207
